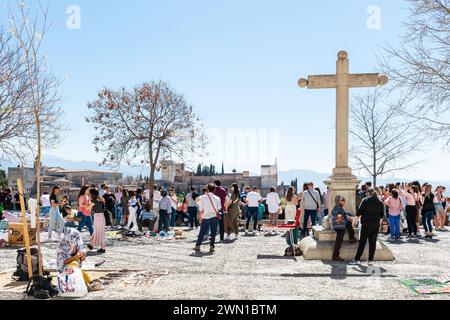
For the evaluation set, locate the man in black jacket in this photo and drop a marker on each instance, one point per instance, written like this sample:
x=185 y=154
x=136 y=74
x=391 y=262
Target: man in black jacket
x=371 y=211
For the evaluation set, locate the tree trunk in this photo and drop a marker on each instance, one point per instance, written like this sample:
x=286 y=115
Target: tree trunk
x=38 y=161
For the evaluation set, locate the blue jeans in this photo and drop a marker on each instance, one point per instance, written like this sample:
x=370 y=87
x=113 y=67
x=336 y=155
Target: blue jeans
x=252 y=213
x=118 y=215
x=45 y=211
x=427 y=218
x=173 y=218
x=307 y=215
x=394 y=223
x=206 y=224
x=56 y=221
x=222 y=226
x=193 y=216
x=86 y=221
x=164 y=220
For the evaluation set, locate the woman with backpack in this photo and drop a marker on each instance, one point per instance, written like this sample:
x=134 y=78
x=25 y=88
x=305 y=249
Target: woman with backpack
x=98 y=209
x=395 y=207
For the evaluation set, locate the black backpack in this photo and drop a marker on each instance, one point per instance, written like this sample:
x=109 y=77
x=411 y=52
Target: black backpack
x=41 y=288
x=21 y=274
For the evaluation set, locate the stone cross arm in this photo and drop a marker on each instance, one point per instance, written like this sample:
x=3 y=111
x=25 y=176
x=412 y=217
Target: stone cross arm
x=362 y=80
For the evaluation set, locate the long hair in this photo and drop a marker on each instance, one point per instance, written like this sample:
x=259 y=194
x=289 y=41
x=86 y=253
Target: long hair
x=290 y=194
x=236 y=190
x=55 y=188
x=395 y=194
x=82 y=191
x=95 y=195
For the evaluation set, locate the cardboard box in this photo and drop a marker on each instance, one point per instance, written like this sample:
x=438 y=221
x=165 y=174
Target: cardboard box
x=16 y=234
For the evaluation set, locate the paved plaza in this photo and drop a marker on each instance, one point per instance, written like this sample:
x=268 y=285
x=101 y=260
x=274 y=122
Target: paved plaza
x=252 y=268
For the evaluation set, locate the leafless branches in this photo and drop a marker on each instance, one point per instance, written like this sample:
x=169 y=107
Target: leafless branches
x=420 y=63
x=28 y=27
x=147 y=125
x=383 y=138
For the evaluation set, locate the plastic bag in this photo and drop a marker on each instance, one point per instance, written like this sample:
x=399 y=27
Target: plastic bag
x=71 y=283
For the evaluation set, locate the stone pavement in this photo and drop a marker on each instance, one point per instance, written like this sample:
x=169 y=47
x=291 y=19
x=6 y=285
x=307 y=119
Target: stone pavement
x=254 y=268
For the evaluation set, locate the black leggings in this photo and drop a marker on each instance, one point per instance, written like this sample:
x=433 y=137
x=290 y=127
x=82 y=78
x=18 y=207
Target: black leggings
x=411 y=218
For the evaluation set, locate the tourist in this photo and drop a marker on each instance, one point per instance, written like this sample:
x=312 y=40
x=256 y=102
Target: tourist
x=253 y=199
x=118 y=207
x=340 y=223
x=133 y=206
x=412 y=198
x=8 y=200
x=156 y=198
x=147 y=218
x=70 y=254
x=428 y=211
x=232 y=214
x=273 y=203
x=192 y=209
x=140 y=202
x=84 y=210
x=45 y=202
x=325 y=197
x=102 y=190
x=222 y=194
x=244 y=202
x=98 y=209
x=370 y=212
x=165 y=209
x=395 y=207
x=440 y=211
x=290 y=212
x=322 y=208
x=124 y=206
x=310 y=206
x=110 y=203
x=209 y=207
x=56 y=220
x=173 y=213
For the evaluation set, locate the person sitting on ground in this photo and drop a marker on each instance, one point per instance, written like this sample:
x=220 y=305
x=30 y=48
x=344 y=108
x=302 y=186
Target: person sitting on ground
x=147 y=218
x=70 y=254
x=341 y=223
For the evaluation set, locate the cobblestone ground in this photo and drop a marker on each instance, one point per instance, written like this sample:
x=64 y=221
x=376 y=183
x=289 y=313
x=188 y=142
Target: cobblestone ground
x=254 y=268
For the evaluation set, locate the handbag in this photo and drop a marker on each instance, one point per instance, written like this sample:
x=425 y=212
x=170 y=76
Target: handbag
x=218 y=215
x=71 y=283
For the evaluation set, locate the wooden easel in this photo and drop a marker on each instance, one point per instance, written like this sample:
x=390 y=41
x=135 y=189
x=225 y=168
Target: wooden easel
x=26 y=235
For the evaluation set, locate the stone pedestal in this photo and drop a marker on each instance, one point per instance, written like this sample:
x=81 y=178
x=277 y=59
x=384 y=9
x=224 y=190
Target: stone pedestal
x=343 y=183
x=321 y=246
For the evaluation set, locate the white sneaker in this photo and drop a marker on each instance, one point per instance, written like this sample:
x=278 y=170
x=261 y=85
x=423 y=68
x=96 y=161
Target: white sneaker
x=246 y=232
x=355 y=262
x=254 y=232
x=227 y=237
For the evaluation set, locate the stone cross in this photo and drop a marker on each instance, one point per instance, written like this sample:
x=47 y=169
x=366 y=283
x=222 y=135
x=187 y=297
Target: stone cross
x=343 y=182
x=342 y=81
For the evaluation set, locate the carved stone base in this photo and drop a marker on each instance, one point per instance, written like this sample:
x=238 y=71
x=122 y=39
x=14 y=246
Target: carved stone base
x=323 y=250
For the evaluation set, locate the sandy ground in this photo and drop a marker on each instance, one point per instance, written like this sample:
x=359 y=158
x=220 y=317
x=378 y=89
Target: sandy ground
x=250 y=268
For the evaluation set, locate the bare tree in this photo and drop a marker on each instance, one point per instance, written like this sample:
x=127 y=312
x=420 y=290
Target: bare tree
x=15 y=120
x=420 y=63
x=382 y=137
x=29 y=27
x=147 y=125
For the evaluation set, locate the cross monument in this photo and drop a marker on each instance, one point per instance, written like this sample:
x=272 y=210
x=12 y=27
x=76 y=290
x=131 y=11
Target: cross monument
x=343 y=182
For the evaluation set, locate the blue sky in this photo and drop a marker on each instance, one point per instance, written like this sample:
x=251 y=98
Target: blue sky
x=237 y=62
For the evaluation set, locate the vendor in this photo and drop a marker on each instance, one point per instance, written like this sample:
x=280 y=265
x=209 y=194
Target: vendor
x=70 y=254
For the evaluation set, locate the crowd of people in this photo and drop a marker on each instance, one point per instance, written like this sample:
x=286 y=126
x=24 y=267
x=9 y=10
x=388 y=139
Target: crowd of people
x=217 y=211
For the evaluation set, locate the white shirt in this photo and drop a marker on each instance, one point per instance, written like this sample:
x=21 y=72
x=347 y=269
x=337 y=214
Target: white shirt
x=206 y=205
x=45 y=200
x=273 y=201
x=156 y=198
x=253 y=199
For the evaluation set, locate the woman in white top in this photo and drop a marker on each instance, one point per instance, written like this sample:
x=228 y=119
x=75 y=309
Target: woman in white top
x=273 y=202
x=440 y=212
x=291 y=205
